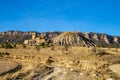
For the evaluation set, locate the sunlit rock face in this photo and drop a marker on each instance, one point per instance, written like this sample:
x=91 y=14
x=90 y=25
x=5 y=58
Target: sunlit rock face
x=116 y=39
x=20 y=37
x=73 y=39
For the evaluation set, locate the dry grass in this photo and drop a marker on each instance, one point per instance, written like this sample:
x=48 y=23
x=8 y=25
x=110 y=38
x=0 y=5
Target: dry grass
x=116 y=68
x=6 y=67
x=77 y=58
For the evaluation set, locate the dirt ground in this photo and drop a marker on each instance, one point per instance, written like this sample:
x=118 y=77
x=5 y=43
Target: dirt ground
x=78 y=63
x=115 y=68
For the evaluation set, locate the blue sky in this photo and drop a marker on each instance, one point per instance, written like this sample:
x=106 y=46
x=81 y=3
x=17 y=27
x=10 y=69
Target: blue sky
x=102 y=16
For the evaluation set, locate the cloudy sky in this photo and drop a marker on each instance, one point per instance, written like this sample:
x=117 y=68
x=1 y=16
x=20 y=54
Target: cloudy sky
x=102 y=16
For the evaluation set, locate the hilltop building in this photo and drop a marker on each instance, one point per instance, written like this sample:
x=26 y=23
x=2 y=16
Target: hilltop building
x=36 y=40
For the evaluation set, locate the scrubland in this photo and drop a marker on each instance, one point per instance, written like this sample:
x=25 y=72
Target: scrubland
x=60 y=63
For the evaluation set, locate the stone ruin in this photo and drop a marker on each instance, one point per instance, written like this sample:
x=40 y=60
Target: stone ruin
x=36 y=40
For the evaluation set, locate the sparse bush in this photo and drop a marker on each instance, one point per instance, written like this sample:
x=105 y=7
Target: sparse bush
x=66 y=48
x=99 y=52
x=52 y=48
x=7 y=45
x=102 y=53
x=45 y=45
x=14 y=45
x=42 y=44
x=37 y=47
x=0 y=45
x=24 y=46
x=50 y=44
x=112 y=58
x=116 y=49
x=49 y=60
x=93 y=49
x=4 y=54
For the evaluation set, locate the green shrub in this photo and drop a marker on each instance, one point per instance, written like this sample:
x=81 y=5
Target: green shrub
x=46 y=45
x=7 y=45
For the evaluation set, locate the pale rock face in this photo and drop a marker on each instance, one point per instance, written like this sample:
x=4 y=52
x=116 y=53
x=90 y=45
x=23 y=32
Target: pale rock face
x=95 y=37
x=26 y=42
x=73 y=39
x=87 y=36
x=116 y=39
x=14 y=36
x=105 y=38
x=110 y=79
x=33 y=35
x=35 y=40
x=3 y=33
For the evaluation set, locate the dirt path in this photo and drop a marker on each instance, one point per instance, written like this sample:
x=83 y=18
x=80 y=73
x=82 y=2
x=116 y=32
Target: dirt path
x=65 y=74
x=115 y=68
x=56 y=73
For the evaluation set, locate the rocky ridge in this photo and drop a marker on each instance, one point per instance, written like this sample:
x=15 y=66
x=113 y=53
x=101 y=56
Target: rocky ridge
x=98 y=38
x=72 y=38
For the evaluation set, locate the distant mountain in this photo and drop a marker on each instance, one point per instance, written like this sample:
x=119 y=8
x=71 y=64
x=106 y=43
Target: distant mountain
x=98 y=38
x=19 y=36
x=14 y=36
x=103 y=39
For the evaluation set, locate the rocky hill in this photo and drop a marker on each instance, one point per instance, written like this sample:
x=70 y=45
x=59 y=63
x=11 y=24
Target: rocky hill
x=103 y=39
x=98 y=38
x=14 y=36
x=72 y=38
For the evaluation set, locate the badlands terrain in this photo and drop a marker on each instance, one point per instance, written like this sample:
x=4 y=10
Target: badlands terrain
x=78 y=63
x=71 y=57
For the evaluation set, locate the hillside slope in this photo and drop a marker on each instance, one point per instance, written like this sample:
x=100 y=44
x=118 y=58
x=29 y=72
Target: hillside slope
x=98 y=38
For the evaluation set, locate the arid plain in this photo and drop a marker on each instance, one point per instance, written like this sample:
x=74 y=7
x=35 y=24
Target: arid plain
x=78 y=63
x=60 y=62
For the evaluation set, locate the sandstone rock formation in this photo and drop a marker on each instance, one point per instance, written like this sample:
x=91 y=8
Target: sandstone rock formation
x=103 y=39
x=98 y=38
x=36 y=40
x=72 y=38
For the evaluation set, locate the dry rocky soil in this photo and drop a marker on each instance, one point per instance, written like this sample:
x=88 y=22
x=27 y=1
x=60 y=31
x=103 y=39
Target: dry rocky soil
x=77 y=63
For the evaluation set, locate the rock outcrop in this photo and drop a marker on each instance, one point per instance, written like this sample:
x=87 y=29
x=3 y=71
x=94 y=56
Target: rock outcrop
x=19 y=37
x=73 y=39
x=103 y=39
